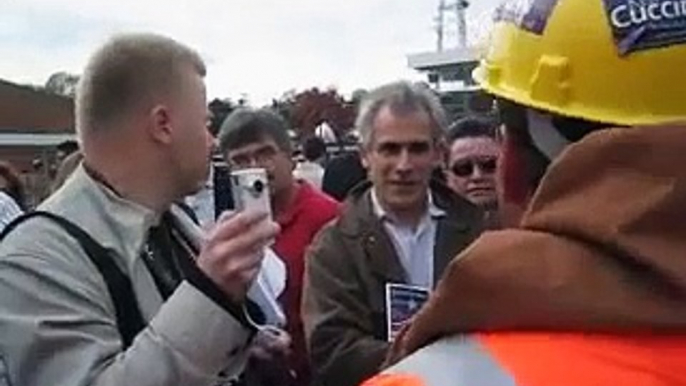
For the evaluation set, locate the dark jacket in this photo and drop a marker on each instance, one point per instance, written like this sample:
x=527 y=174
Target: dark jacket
x=347 y=269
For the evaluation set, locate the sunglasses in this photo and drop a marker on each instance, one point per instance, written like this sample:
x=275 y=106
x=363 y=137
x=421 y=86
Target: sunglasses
x=466 y=168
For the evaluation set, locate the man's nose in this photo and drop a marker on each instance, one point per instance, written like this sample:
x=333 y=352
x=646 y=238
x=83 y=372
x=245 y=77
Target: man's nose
x=477 y=172
x=404 y=160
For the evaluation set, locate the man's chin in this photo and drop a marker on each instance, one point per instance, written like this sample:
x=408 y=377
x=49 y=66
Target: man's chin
x=195 y=188
x=404 y=204
x=487 y=204
x=405 y=192
x=482 y=198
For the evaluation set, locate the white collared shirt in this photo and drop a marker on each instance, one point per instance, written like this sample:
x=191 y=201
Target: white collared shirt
x=414 y=246
x=311 y=172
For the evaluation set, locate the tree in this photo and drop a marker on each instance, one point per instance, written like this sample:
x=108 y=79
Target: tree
x=219 y=110
x=357 y=97
x=62 y=83
x=285 y=106
x=310 y=108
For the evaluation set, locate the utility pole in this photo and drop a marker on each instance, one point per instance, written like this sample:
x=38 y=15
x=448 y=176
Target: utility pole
x=459 y=9
x=440 y=25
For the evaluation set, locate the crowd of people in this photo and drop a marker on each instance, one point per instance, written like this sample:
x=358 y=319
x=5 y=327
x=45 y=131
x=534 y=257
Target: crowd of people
x=445 y=237
x=137 y=256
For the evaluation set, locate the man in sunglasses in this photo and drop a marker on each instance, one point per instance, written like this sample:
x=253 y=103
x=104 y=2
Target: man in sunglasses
x=367 y=271
x=472 y=161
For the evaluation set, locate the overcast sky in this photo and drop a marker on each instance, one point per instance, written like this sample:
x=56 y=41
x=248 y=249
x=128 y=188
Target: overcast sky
x=260 y=48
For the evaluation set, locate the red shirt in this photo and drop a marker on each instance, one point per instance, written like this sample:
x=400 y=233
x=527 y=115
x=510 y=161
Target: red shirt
x=310 y=211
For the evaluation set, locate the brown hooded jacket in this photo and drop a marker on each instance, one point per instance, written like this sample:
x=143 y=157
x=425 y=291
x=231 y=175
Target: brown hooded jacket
x=601 y=248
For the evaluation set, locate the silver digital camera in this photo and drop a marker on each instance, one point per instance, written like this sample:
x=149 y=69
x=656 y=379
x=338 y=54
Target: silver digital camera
x=250 y=190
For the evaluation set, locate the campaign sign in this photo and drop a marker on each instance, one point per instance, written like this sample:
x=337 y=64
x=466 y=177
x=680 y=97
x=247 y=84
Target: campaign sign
x=639 y=25
x=529 y=15
x=402 y=302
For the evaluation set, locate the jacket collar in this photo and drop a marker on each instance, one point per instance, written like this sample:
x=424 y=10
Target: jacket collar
x=358 y=221
x=359 y=210
x=116 y=223
x=622 y=190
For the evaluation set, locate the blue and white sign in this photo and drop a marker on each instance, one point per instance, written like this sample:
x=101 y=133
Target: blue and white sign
x=402 y=302
x=639 y=25
x=529 y=15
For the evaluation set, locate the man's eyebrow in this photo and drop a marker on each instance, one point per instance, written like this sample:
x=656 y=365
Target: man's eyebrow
x=255 y=150
x=404 y=143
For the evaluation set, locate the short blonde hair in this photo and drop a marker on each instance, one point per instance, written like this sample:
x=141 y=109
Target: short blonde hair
x=127 y=72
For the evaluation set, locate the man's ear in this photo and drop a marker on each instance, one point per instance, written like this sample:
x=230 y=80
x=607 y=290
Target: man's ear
x=160 y=128
x=364 y=153
x=442 y=153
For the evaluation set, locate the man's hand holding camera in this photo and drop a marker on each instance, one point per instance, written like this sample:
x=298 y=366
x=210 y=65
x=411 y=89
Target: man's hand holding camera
x=233 y=253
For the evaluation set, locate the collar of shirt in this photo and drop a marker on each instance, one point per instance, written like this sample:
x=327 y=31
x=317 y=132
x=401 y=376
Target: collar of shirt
x=414 y=245
x=433 y=211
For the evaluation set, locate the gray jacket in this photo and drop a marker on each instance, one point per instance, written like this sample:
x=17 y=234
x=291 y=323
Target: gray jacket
x=58 y=326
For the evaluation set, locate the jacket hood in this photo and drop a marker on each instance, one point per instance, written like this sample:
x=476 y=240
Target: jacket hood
x=624 y=191
x=601 y=248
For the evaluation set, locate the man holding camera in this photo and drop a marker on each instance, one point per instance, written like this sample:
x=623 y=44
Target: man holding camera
x=259 y=139
x=108 y=283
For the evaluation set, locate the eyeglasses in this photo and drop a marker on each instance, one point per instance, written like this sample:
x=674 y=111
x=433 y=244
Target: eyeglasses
x=466 y=168
x=260 y=156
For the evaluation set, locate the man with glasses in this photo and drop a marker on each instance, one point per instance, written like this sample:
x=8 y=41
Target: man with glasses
x=369 y=269
x=472 y=161
x=259 y=138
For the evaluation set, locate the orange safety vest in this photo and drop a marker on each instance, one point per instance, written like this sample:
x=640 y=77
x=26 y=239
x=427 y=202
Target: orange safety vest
x=545 y=359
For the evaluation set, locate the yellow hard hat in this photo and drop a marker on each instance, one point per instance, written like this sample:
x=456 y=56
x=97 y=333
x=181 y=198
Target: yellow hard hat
x=612 y=61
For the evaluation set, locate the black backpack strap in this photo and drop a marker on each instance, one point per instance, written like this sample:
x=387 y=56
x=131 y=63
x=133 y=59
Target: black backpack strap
x=188 y=211
x=129 y=319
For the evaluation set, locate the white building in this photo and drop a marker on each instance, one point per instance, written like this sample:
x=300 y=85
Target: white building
x=449 y=70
